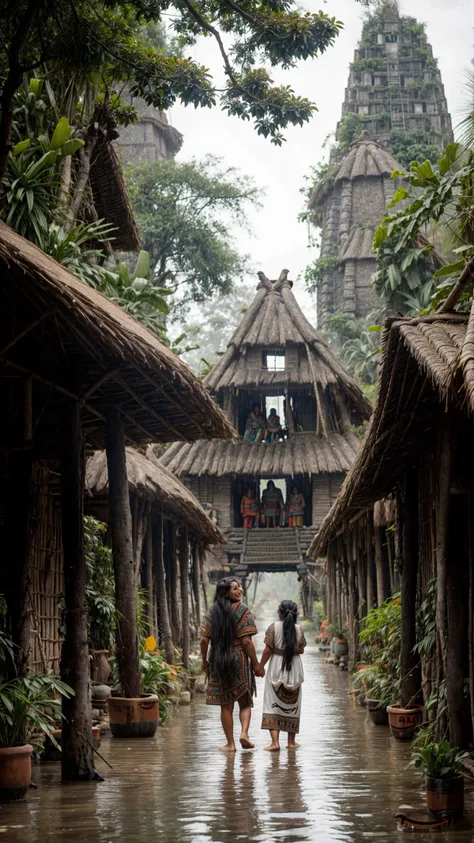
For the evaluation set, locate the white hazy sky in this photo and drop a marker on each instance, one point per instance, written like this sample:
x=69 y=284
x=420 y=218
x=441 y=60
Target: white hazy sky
x=279 y=240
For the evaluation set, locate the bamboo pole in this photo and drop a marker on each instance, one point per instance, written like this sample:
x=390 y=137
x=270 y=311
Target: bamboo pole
x=163 y=608
x=150 y=591
x=174 y=600
x=410 y=687
x=76 y=757
x=120 y=522
x=184 y=578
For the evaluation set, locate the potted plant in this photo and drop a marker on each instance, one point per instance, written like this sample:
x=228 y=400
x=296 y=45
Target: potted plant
x=29 y=706
x=339 y=645
x=441 y=765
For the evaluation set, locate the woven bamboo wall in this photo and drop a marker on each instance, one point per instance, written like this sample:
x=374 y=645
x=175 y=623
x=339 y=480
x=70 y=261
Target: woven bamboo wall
x=46 y=584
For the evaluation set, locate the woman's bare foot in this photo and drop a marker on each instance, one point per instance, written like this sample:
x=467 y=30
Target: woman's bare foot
x=274 y=747
x=292 y=744
x=228 y=747
x=246 y=743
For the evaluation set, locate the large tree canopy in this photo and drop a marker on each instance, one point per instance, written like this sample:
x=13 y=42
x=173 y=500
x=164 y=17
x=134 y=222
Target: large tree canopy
x=185 y=212
x=100 y=41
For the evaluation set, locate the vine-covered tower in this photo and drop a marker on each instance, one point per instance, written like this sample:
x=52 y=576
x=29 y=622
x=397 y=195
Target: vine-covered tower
x=275 y=359
x=394 y=111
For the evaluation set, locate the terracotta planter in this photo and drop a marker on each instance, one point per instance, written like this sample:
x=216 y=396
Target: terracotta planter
x=134 y=718
x=377 y=714
x=15 y=772
x=52 y=753
x=445 y=796
x=404 y=721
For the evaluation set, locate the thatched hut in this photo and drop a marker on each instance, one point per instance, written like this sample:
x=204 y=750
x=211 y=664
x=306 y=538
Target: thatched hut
x=418 y=452
x=75 y=369
x=162 y=509
x=275 y=359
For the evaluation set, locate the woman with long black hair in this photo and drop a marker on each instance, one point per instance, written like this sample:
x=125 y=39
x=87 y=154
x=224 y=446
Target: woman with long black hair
x=284 y=645
x=228 y=627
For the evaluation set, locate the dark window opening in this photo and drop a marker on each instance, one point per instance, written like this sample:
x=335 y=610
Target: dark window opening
x=391 y=39
x=241 y=484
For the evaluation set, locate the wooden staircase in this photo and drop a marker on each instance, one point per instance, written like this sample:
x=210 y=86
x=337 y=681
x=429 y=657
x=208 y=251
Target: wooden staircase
x=269 y=549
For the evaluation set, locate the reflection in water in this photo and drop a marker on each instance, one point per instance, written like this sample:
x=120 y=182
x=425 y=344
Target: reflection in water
x=341 y=786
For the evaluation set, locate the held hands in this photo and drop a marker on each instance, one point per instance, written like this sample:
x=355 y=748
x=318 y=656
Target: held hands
x=259 y=670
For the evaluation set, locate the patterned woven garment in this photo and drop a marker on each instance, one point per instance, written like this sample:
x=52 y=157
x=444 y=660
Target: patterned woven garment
x=243 y=679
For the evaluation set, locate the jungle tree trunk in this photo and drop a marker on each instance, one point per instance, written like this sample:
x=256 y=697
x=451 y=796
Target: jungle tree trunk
x=120 y=518
x=76 y=756
x=184 y=574
x=409 y=661
x=163 y=611
x=196 y=578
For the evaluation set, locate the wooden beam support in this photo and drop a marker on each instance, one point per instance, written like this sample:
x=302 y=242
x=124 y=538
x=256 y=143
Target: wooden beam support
x=410 y=687
x=120 y=521
x=184 y=576
x=76 y=756
x=163 y=608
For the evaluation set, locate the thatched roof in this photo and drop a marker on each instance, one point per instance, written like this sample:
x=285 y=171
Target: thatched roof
x=426 y=362
x=111 y=200
x=303 y=453
x=73 y=340
x=359 y=244
x=151 y=481
x=365 y=159
x=275 y=318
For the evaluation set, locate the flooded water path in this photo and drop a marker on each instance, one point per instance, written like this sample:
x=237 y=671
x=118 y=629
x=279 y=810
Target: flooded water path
x=343 y=784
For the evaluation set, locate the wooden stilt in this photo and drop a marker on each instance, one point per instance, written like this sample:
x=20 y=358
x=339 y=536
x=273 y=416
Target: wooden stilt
x=150 y=591
x=383 y=584
x=370 y=561
x=76 y=755
x=120 y=522
x=174 y=604
x=184 y=577
x=163 y=609
x=196 y=579
x=410 y=688
x=17 y=512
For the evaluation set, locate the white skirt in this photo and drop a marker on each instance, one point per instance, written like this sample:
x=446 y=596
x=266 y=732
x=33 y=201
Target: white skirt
x=282 y=697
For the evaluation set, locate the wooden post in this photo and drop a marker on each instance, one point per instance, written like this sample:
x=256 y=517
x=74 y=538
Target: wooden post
x=76 y=756
x=163 y=609
x=444 y=470
x=470 y=527
x=383 y=585
x=17 y=573
x=410 y=687
x=184 y=575
x=361 y=576
x=196 y=579
x=120 y=522
x=150 y=591
x=174 y=605
x=370 y=560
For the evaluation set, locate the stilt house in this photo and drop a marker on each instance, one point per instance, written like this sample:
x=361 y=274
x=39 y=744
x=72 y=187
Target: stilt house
x=275 y=359
x=417 y=452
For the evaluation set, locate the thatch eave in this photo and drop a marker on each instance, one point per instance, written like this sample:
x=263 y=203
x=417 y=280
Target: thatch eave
x=111 y=200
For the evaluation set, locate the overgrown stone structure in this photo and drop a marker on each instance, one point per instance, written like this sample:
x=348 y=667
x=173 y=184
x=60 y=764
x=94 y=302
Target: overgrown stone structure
x=151 y=138
x=394 y=105
x=274 y=359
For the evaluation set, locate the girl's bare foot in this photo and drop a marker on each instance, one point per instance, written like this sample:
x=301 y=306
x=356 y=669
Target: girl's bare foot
x=246 y=743
x=228 y=747
x=292 y=742
x=274 y=747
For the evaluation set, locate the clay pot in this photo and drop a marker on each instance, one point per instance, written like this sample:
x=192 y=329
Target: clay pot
x=134 y=718
x=445 y=796
x=341 y=648
x=101 y=692
x=52 y=753
x=404 y=721
x=15 y=772
x=377 y=714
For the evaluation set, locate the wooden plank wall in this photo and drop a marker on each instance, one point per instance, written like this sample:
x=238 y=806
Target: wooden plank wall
x=216 y=493
x=325 y=491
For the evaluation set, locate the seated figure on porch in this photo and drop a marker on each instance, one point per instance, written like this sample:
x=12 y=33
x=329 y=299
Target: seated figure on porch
x=273 y=426
x=249 y=509
x=296 y=505
x=272 y=503
x=255 y=425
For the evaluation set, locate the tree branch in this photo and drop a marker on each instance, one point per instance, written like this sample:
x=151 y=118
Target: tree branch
x=467 y=275
x=209 y=28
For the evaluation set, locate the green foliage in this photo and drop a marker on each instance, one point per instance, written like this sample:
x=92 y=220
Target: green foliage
x=29 y=705
x=426 y=624
x=184 y=212
x=100 y=588
x=354 y=339
x=439 y=760
x=406 y=146
x=404 y=255
x=350 y=128
x=315 y=272
x=380 y=636
x=101 y=42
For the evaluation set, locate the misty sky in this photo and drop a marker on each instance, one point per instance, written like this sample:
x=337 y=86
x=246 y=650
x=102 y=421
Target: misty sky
x=280 y=241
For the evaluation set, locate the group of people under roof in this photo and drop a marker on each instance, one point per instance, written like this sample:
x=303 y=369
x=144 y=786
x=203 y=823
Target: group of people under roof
x=272 y=510
x=259 y=429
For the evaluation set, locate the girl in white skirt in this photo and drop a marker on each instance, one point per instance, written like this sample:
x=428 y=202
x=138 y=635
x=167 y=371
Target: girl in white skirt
x=284 y=644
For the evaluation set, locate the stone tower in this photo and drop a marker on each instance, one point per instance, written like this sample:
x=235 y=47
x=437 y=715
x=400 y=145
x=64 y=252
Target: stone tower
x=394 y=106
x=151 y=138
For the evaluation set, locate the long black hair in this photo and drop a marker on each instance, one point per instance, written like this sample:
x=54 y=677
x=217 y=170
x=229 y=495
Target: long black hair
x=223 y=630
x=288 y=612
